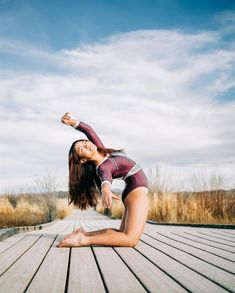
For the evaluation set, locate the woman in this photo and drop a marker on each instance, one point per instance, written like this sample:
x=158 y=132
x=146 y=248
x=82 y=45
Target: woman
x=92 y=168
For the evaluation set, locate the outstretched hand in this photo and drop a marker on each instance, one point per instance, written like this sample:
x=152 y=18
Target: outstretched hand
x=107 y=199
x=66 y=119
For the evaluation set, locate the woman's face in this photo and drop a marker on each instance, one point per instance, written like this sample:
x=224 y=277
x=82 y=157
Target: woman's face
x=85 y=149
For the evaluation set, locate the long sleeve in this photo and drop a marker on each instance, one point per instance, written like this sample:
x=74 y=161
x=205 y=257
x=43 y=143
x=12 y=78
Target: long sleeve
x=105 y=171
x=90 y=134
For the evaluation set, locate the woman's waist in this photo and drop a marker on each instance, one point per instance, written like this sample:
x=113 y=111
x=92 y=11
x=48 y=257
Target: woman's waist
x=125 y=174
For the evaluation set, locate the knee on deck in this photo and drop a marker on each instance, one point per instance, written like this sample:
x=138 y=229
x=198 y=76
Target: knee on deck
x=132 y=241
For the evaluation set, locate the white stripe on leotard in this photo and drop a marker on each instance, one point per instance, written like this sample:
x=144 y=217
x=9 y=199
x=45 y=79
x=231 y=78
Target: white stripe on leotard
x=133 y=170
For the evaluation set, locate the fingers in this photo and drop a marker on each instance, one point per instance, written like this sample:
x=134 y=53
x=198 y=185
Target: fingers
x=66 y=115
x=66 y=118
x=106 y=202
x=116 y=197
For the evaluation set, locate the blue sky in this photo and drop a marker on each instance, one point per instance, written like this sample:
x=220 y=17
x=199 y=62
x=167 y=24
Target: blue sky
x=60 y=24
x=160 y=72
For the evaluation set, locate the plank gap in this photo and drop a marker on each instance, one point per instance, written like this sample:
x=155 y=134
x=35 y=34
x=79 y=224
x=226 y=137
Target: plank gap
x=101 y=274
x=227 y=259
x=209 y=239
x=213 y=281
x=40 y=265
x=201 y=259
x=213 y=236
x=20 y=256
x=165 y=272
x=203 y=243
x=13 y=244
x=68 y=271
x=224 y=235
x=138 y=279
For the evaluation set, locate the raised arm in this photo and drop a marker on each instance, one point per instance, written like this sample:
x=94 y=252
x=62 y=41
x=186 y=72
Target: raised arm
x=86 y=129
x=90 y=133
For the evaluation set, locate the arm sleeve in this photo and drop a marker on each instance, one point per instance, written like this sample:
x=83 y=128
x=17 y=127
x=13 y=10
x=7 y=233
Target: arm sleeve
x=105 y=175
x=90 y=134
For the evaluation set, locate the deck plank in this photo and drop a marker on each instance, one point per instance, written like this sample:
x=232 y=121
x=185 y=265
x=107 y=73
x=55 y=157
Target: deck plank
x=203 y=240
x=191 y=280
x=228 y=232
x=14 y=253
x=157 y=276
x=223 y=278
x=40 y=244
x=167 y=259
x=15 y=239
x=57 y=260
x=84 y=275
x=209 y=248
x=228 y=236
x=206 y=238
x=9 y=242
x=213 y=259
x=212 y=236
x=116 y=275
x=154 y=279
x=10 y=281
x=217 y=275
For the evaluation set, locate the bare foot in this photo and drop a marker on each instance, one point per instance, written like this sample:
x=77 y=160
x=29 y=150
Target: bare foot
x=79 y=239
x=78 y=230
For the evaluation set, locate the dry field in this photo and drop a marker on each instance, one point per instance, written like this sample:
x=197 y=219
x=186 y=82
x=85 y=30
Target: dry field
x=208 y=203
x=28 y=210
x=214 y=207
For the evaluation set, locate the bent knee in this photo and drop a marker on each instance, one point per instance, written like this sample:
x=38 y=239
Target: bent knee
x=132 y=242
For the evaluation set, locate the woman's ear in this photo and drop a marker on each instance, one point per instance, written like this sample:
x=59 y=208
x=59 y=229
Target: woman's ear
x=83 y=161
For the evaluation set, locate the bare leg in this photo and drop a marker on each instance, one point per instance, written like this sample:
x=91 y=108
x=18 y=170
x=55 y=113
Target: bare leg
x=91 y=233
x=123 y=222
x=137 y=209
x=121 y=228
x=97 y=232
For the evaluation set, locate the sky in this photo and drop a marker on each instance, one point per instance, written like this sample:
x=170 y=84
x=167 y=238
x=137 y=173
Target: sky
x=155 y=77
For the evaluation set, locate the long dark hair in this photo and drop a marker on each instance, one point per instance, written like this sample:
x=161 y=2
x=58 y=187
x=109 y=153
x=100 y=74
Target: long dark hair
x=84 y=183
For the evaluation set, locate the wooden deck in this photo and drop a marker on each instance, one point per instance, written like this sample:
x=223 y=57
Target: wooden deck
x=167 y=259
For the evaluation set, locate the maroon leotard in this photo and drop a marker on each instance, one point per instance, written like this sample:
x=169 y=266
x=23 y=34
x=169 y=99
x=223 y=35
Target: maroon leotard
x=116 y=166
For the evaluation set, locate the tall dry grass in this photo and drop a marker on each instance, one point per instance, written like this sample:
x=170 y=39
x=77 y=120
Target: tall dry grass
x=207 y=203
x=28 y=210
x=42 y=206
x=210 y=207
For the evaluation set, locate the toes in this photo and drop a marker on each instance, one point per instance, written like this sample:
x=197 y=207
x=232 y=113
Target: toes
x=71 y=241
x=62 y=244
x=78 y=230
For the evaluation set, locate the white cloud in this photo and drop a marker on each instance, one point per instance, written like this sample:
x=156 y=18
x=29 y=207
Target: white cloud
x=155 y=93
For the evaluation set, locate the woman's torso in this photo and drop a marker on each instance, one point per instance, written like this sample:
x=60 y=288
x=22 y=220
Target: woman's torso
x=120 y=166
